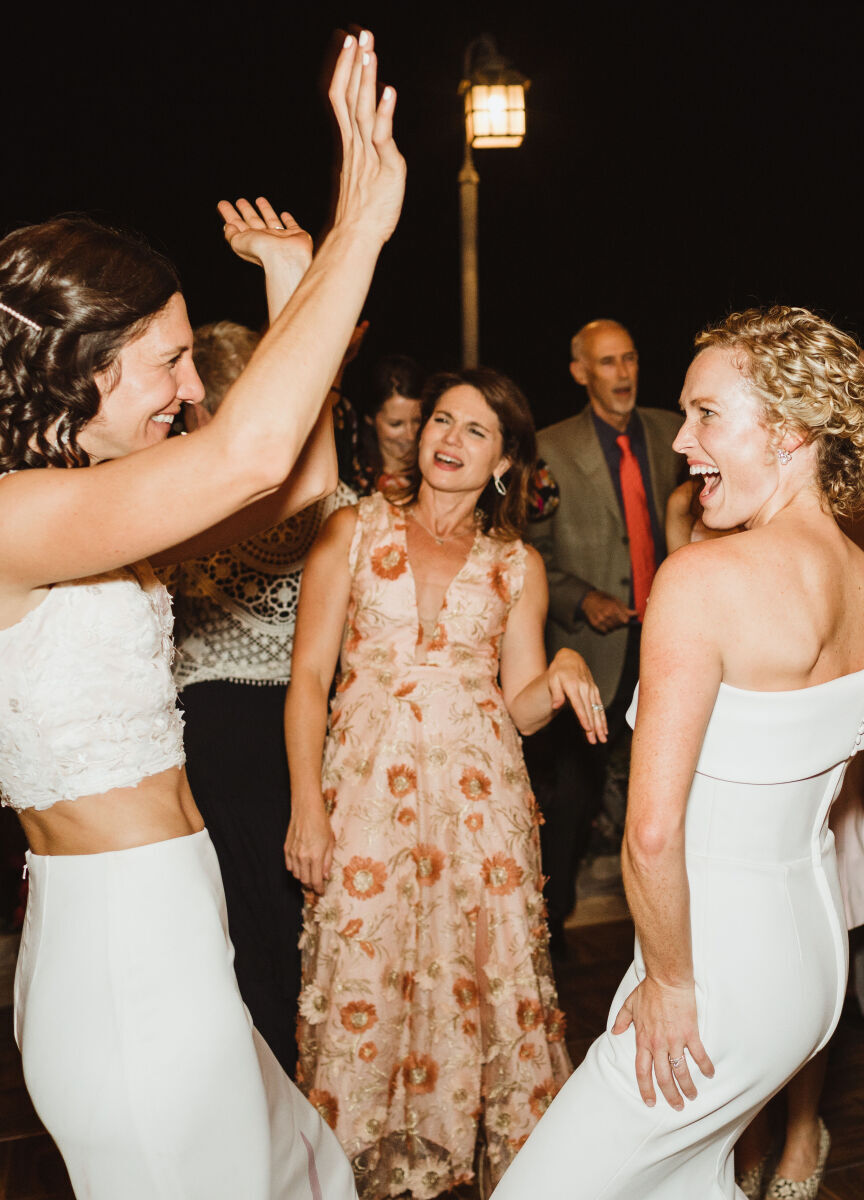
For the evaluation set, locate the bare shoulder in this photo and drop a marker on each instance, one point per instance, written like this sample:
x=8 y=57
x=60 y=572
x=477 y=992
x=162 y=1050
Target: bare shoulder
x=340 y=525
x=698 y=569
x=534 y=565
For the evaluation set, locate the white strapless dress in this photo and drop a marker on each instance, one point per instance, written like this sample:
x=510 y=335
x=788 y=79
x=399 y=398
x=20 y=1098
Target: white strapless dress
x=770 y=956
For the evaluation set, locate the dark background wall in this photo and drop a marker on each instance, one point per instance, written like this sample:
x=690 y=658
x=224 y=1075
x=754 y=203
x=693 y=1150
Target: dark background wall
x=675 y=167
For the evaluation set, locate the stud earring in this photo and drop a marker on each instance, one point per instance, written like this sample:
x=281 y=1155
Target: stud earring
x=784 y=456
x=500 y=487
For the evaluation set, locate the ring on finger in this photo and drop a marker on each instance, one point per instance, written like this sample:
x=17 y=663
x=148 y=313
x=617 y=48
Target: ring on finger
x=596 y=707
x=675 y=1063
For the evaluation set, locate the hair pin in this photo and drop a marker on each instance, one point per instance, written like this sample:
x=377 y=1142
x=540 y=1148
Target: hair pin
x=13 y=312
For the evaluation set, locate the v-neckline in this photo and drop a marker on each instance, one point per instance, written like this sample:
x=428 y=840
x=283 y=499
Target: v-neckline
x=410 y=568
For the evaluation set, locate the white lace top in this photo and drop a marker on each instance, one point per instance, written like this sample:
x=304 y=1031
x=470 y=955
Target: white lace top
x=236 y=610
x=87 y=700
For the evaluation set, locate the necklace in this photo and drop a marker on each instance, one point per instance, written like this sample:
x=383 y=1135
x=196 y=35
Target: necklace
x=447 y=537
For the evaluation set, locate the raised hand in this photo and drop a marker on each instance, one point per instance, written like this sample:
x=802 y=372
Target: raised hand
x=259 y=235
x=372 y=179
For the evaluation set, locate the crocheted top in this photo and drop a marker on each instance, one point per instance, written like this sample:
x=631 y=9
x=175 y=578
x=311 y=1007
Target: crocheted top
x=87 y=700
x=236 y=610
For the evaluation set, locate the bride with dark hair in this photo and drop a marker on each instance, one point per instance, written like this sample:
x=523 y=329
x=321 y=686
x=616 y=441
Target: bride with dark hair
x=137 y=1051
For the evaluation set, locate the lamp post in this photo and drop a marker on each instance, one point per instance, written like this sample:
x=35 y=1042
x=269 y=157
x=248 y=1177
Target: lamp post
x=494 y=116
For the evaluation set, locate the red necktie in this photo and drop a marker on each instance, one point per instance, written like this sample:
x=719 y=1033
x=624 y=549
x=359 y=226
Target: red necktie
x=638 y=525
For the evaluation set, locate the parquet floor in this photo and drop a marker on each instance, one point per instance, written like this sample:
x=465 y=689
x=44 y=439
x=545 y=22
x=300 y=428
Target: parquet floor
x=31 y=1168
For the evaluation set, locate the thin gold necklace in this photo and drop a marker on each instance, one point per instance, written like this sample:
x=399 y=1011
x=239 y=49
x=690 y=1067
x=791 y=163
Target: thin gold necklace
x=447 y=537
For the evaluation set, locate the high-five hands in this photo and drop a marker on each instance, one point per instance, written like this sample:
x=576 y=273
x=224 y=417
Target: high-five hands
x=372 y=180
x=257 y=233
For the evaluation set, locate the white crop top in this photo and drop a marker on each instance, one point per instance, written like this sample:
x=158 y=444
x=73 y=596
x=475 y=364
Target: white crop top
x=87 y=700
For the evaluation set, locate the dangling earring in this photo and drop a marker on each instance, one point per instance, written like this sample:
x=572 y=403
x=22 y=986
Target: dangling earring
x=784 y=456
x=500 y=486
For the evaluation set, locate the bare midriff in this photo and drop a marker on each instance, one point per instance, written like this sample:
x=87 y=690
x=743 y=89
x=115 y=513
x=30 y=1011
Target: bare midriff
x=157 y=809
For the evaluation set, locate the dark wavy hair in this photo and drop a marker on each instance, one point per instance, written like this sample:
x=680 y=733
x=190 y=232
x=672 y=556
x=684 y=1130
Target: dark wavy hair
x=503 y=517
x=93 y=290
x=394 y=375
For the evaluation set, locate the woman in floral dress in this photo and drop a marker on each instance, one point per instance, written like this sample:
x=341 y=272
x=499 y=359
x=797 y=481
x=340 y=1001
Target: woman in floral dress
x=428 y=1015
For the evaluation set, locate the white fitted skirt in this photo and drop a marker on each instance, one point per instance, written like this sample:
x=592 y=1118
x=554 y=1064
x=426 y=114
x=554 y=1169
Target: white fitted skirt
x=138 y=1053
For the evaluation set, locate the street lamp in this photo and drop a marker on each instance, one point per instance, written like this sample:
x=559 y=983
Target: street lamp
x=494 y=116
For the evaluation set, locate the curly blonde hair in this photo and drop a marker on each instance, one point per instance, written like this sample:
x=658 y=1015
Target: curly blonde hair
x=809 y=377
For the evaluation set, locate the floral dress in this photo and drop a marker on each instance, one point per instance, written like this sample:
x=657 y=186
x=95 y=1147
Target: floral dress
x=428 y=1011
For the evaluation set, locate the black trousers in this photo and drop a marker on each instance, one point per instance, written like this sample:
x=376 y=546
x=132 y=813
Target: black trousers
x=568 y=776
x=235 y=758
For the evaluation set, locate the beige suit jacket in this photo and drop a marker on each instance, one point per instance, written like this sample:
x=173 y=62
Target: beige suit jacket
x=584 y=542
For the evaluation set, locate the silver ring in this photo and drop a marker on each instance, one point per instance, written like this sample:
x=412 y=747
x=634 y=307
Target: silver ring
x=675 y=1063
x=597 y=707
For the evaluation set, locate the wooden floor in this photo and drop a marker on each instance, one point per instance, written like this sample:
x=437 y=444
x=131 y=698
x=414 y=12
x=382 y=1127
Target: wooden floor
x=31 y=1168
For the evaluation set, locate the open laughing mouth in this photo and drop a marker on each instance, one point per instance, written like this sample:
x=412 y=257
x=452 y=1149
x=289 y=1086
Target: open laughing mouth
x=447 y=461
x=712 y=478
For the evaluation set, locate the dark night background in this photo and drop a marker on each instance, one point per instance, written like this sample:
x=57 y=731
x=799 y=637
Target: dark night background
x=679 y=162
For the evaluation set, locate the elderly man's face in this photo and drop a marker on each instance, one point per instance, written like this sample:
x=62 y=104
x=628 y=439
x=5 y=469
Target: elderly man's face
x=608 y=367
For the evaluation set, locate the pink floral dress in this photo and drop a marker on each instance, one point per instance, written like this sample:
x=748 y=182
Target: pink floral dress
x=428 y=1009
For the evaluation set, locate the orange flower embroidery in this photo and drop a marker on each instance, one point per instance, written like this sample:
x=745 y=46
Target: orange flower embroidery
x=466 y=992
x=352 y=637
x=438 y=639
x=555 y=1025
x=416 y=710
x=419 y=1073
x=405 y=690
x=501 y=874
x=499 y=582
x=346 y=681
x=363 y=877
x=516 y=1144
x=527 y=1050
x=367 y=948
x=329 y=798
x=475 y=785
x=469 y=1028
x=327 y=1105
x=358 y=1016
x=408 y=986
x=529 y=1014
x=352 y=928
x=367 y=1052
x=388 y=562
x=542 y=1097
x=406 y=815
x=401 y=780
x=474 y=821
x=430 y=862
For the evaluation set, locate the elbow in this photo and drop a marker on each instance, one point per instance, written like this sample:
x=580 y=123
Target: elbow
x=647 y=842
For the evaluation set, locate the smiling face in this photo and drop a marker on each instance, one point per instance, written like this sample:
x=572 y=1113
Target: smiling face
x=608 y=368
x=397 y=423
x=156 y=375
x=461 y=443
x=726 y=441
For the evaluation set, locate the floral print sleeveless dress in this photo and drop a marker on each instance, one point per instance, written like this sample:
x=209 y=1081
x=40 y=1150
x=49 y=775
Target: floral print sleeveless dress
x=428 y=1011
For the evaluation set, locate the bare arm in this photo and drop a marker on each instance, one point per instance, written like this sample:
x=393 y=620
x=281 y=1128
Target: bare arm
x=681 y=668
x=58 y=525
x=323 y=605
x=532 y=691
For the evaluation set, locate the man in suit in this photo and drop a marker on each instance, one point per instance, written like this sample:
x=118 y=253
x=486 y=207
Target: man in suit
x=614 y=468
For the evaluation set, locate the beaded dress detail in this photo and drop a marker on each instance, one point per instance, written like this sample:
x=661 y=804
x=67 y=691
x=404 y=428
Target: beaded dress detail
x=429 y=1011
